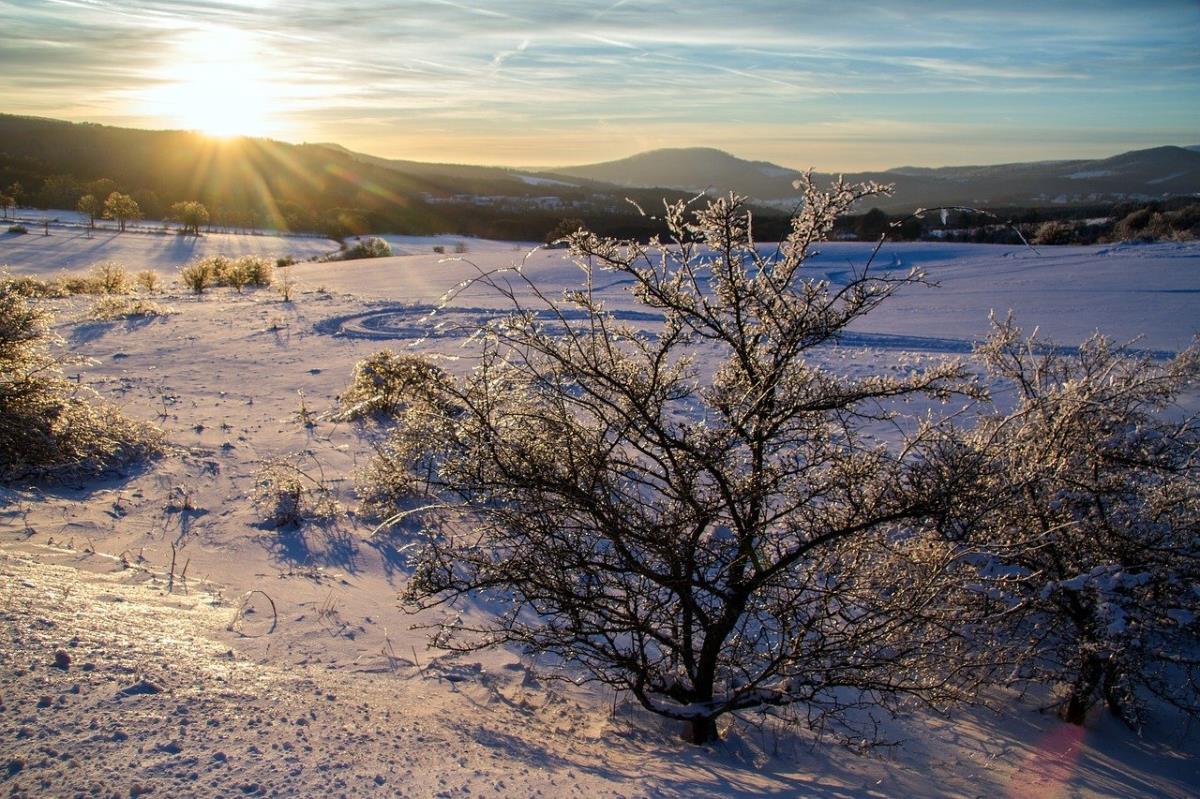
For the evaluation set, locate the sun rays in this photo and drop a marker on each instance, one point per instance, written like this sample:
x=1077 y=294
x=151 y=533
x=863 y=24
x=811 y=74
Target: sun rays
x=218 y=81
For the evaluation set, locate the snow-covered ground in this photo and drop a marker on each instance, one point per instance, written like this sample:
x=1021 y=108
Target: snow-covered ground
x=74 y=248
x=333 y=693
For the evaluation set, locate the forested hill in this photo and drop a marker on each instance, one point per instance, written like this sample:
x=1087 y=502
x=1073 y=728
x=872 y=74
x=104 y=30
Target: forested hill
x=253 y=182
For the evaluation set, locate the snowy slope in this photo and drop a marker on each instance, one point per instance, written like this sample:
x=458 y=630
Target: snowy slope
x=334 y=692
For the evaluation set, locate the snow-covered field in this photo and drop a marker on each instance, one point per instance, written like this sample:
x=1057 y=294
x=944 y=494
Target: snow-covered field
x=71 y=248
x=333 y=693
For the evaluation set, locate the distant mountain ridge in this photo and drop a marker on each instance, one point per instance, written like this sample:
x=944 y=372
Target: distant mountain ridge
x=1137 y=175
x=330 y=188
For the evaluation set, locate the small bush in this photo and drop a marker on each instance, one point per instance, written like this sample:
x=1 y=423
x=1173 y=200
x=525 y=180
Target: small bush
x=288 y=496
x=460 y=247
x=236 y=278
x=26 y=286
x=385 y=381
x=253 y=270
x=148 y=280
x=1053 y=232
x=439 y=249
x=111 y=277
x=18 y=229
x=218 y=270
x=286 y=260
x=370 y=247
x=110 y=308
x=48 y=424
x=197 y=276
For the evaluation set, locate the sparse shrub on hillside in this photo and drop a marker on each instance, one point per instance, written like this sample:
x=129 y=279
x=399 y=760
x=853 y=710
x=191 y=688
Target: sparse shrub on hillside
x=255 y=270
x=1053 y=232
x=218 y=270
x=109 y=308
x=18 y=229
x=235 y=277
x=111 y=277
x=197 y=276
x=48 y=424
x=369 y=247
x=286 y=260
x=287 y=494
x=439 y=249
x=385 y=381
x=286 y=285
x=1152 y=224
x=460 y=247
x=27 y=286
x=148 y=280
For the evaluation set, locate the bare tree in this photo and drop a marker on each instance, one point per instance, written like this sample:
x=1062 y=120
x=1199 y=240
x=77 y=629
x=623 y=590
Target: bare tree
x=709 y=540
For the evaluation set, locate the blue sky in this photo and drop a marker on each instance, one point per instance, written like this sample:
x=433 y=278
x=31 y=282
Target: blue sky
x=836 y=86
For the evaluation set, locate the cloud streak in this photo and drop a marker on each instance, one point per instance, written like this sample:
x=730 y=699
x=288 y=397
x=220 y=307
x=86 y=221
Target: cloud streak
x=470 y=80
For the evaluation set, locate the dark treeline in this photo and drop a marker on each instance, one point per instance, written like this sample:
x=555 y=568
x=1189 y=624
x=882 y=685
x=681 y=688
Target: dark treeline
x=1177 y=219
x=249 y=183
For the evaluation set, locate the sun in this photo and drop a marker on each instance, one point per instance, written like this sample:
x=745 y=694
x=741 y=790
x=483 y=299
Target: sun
x=217 y=83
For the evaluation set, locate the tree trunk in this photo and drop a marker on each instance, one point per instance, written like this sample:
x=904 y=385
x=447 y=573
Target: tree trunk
x=1076 y=708
x=700 y=731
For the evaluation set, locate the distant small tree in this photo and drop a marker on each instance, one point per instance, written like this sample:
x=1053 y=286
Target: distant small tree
x=90 y=207
x=6 y=202
x=191 y=215
x=122 y=208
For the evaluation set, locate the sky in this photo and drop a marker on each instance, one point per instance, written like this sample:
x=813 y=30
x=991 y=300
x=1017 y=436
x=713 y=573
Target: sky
x=838 y=86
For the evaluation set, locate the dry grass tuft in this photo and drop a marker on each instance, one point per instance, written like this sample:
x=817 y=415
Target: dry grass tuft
x=289 y=495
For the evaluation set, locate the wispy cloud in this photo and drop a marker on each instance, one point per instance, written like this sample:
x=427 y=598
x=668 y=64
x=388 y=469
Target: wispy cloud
x=525 y=81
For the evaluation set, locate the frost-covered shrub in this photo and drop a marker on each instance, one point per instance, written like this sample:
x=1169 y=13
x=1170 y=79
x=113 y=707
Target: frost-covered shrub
x=252 y=270
x=197 y=276
x=1053 y=232
x=148 y=280
x=27 y=286
x=219 y=270
x=48 y=424
x=111 y=277
x=110 y=308
x=18 y=229
x=1088 y=499
x=384 y=381
x=369 y=247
